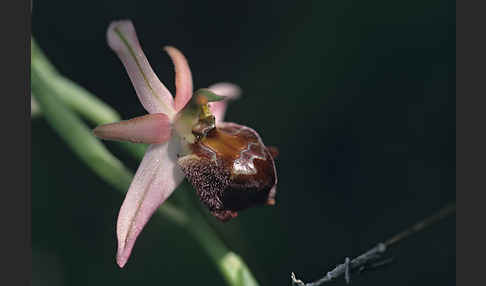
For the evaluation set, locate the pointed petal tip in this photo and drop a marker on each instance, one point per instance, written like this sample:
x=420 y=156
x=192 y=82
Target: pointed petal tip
x=120 y=261
x=183 y=77
x=149 y=129
x=101 y=131
x=123 y=26
x=124 y=251
x=169 y=49
x=121 y=258
x=174 y=52
x=96 y=132
x=229 y=91
x=120 y=22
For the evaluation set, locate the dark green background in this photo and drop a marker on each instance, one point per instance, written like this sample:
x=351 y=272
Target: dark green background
x=359 y=97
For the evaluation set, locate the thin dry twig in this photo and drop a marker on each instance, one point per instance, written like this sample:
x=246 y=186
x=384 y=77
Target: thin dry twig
x=361 y=262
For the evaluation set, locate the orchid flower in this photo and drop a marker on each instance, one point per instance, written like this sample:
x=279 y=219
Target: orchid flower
x=228 y=164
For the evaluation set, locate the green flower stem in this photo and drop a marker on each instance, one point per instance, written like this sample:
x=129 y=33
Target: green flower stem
x=75 y=133
x=232 y=267
x=73 y=95
x=57 y=95
x=82 y=101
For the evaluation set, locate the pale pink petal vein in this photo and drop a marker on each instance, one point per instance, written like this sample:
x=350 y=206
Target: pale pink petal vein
x=155 y=180
x=153 y=95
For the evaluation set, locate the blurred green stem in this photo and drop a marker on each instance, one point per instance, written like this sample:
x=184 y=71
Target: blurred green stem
x=232 y=266
x=56 y=95
x=73 y=95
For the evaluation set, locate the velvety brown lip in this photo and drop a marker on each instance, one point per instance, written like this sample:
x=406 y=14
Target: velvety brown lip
x=211 y=169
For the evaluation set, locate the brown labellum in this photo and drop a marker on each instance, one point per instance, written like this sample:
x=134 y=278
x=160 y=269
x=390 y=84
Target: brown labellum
x=231 y=170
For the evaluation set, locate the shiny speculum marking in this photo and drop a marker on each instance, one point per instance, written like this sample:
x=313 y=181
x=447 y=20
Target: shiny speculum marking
x=237 y=146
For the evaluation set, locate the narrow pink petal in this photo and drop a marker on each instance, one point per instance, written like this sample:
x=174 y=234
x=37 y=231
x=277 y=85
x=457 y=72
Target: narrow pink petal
x=149 y=129
x=153 y=95
x=156 y=178
x=230 y=91
x=183 y=77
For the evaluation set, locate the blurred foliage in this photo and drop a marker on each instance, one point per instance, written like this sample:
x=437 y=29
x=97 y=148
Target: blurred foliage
x=359 y=97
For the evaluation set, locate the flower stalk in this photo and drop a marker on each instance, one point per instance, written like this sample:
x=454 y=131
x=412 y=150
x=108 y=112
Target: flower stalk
x=72 y=94
x=232 y=266
x=74 y=132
